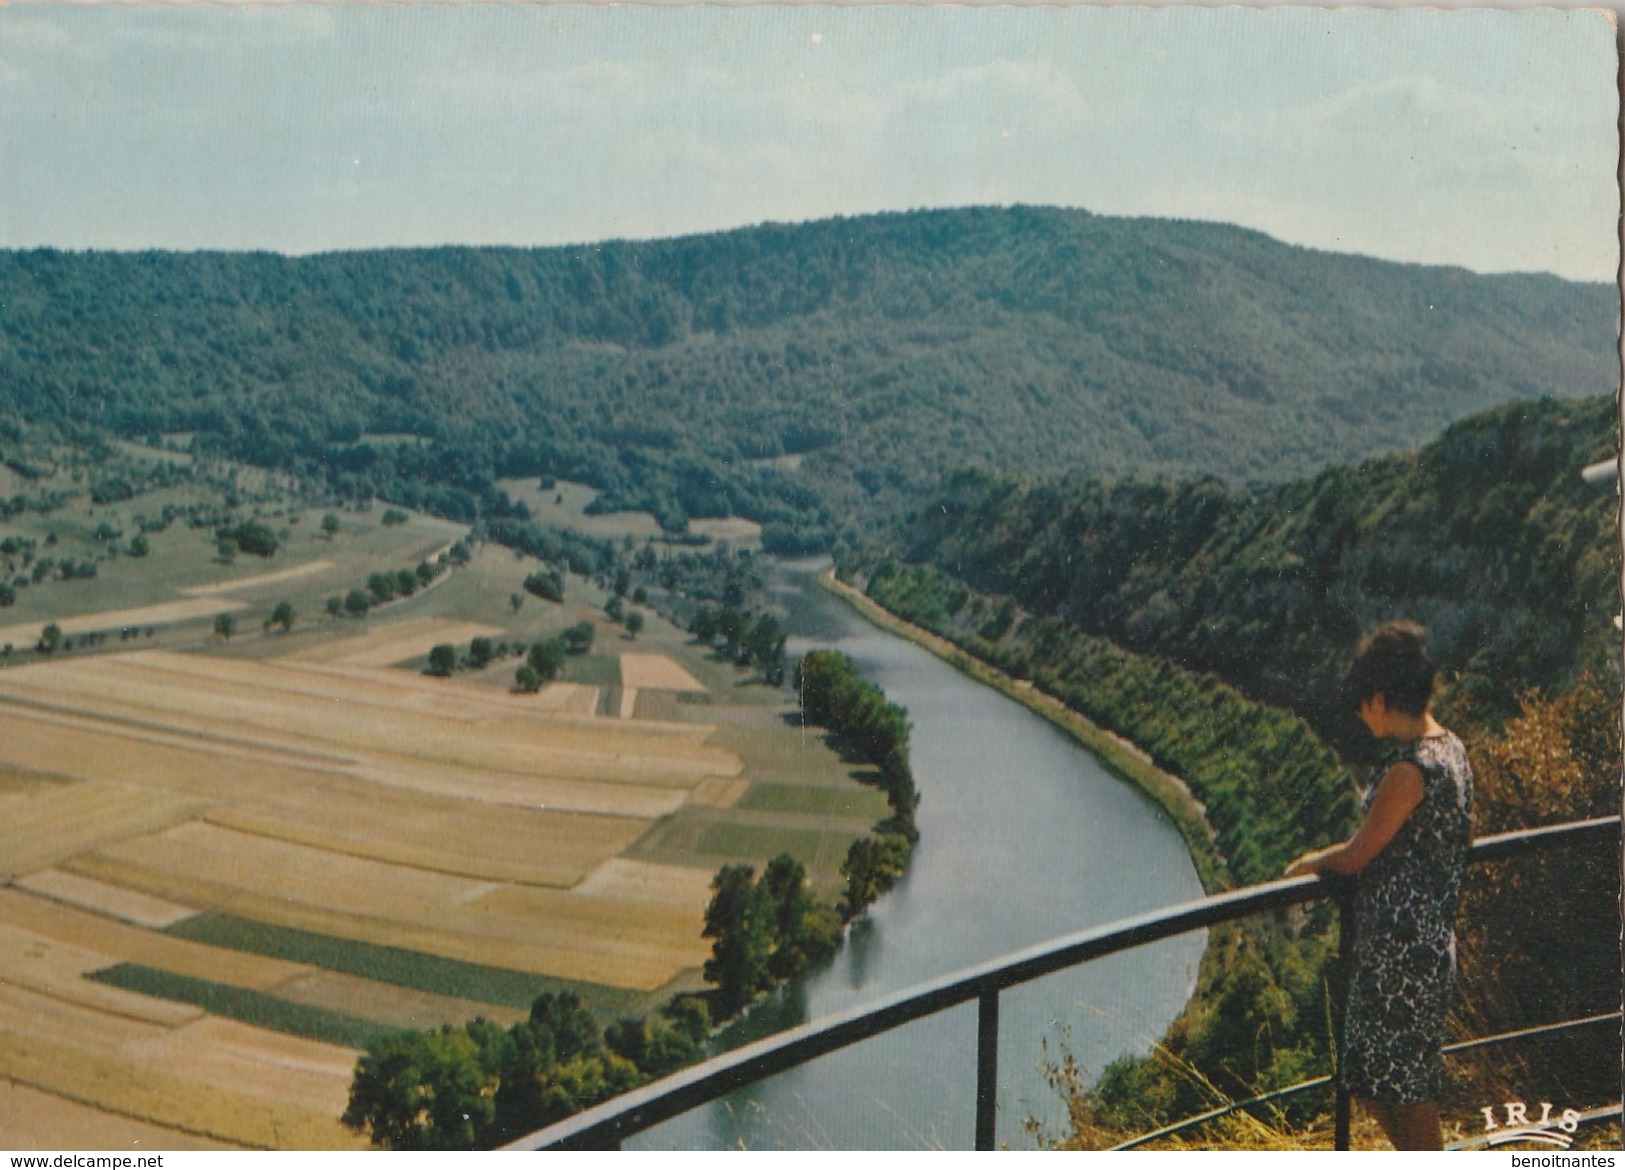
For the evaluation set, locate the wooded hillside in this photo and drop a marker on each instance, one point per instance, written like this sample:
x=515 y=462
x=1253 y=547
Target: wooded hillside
x=1487 y=535
x=877 y=352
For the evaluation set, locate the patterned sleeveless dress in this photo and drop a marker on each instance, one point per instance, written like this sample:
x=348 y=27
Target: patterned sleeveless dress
x=1404 y=944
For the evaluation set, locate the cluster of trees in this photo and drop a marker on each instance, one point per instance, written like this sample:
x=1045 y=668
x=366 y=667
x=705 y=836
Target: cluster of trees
x=583 y=555
x=548 y=584
x=545 y=659
x=764 y=930
x=746 y=639
x=246 y=536
x=721 y=575
x=52 y=639
x=804 y=376
x=42 y=502
x=385 y=586
x=631 y=620
x=835 y=695
x=47 y=569
x=480 y=1086
x=768 y=929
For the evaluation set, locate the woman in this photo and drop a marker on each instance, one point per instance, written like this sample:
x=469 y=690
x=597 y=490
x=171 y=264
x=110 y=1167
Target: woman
x=1408 y=853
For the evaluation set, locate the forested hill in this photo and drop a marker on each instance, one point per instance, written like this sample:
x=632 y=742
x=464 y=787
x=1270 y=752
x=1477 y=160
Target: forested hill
x=885 y=350
x=1488 y=536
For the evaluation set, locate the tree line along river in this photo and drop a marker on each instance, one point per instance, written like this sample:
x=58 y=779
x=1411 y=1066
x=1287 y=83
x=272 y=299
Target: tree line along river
x=1024 y=836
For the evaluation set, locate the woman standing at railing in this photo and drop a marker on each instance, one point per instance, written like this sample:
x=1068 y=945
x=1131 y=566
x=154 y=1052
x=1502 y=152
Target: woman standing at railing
x=1408 y=854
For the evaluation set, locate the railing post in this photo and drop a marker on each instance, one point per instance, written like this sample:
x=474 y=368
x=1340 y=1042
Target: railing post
x=1343 y=1115
x=987 y=1067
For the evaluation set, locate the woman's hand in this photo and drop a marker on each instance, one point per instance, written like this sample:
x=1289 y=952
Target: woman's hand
x=1306 y=866
x=1398 y=793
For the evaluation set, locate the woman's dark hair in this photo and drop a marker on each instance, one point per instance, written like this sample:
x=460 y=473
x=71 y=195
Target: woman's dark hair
x=1392 y=660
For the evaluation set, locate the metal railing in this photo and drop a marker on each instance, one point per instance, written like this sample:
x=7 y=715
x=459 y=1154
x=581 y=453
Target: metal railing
x=606 y=1126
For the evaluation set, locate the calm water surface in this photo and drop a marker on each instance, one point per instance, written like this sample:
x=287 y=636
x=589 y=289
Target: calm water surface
x=1023 y=837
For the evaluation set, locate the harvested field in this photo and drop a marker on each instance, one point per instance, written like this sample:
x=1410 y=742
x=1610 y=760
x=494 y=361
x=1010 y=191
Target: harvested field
x=124 y=905
x=204 y=848
x=239 y=584
x=719 y=792
x=671 y=885
x=396 y=643
x=35 y=1120
x=399 y=1007
x=657 y=672
x=138 y=1069
x=658 y=705
x=209 y=866
x=277 y=1068
x=91 y=932
x=56 y=969
x=156 y=719
x=44 y=827
x=570 y=697
x=446 y=835
x=526 y=928
x=21 y=781
x=643 y=802
x=165 y=613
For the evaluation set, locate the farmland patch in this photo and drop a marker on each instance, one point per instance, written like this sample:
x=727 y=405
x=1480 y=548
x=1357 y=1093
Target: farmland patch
x=244 y=1004
x=259 y=580
x=164 y=613
x=657 y=672
x=37 y=1120
x=124 y=905
x=384 y=964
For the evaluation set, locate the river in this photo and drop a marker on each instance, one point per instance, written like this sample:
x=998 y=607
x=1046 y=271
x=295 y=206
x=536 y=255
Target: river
x=1024 y=836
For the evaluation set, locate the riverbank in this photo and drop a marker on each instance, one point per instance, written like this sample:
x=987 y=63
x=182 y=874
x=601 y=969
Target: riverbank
x=1120 y=757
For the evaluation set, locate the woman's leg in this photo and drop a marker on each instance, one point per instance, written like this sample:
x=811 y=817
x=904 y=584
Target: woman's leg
x=1409 y=1127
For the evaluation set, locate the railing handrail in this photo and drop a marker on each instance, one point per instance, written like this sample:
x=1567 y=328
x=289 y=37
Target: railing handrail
x=607 y=1124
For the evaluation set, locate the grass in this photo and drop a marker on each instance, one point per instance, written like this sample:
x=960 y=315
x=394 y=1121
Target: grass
x=820 y=801
x=403 y=968
x=245 y=1005
x=593 y=670
x=565 y=506
x=183 y=557
x=753 y=841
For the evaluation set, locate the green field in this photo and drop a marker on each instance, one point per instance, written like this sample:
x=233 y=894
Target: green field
x=392 y=965
x=794 y=798
x=245 y=1005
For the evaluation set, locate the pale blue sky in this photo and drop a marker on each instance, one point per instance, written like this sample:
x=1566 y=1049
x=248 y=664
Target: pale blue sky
x=1478 y=138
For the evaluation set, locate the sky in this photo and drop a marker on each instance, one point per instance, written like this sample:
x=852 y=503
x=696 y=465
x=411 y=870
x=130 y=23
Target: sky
x=1479 y=138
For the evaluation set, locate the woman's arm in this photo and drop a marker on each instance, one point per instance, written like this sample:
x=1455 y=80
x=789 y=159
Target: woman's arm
x=1398 y=794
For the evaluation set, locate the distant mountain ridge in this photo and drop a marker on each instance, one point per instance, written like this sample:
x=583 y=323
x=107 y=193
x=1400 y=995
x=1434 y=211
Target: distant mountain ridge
x=885 y=350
